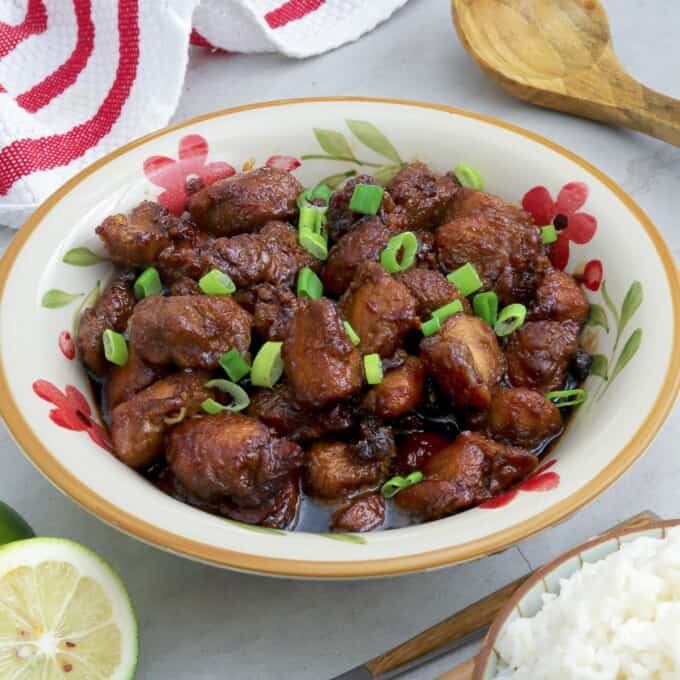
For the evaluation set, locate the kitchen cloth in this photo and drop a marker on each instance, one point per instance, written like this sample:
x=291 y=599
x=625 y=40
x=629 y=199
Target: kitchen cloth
x=79 y=78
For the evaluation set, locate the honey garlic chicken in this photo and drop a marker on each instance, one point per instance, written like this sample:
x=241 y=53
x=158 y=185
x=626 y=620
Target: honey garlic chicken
x=289 y=357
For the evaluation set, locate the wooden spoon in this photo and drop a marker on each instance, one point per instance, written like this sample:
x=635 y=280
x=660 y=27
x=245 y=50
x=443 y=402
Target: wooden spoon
x=558 y=54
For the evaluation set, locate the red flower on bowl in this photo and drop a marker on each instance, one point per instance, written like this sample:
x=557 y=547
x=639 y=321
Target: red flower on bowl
x=66 y=345
x=72 y=411
x=541 y=480
x=572 y=226
x=172 y=175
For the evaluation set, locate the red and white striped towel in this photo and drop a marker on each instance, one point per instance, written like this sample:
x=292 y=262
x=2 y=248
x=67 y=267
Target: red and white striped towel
x=78 y=78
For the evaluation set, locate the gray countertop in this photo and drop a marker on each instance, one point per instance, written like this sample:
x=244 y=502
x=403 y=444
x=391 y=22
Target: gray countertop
x=199 y=622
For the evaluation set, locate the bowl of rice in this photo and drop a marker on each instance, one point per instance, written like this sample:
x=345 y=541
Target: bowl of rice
x=606 y=610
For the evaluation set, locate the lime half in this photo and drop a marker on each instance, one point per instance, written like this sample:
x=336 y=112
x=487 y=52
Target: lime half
x=64 y=614
x=13 y=527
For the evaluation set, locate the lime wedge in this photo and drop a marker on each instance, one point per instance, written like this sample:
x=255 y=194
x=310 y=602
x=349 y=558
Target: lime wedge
x=64 y=614
x=13 y=527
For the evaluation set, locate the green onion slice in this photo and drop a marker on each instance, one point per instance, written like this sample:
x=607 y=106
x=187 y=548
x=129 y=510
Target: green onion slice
x=468 y=177
x=115 y=347
x=235 y=366
x=309 y=284
x=510 y=319
x=351 y=333
x=237 y=393
x=563 y=398
x=322 y=191
x=373 y=369
x=443 y=313
x=431 y=327
x=175 y=420
x=393 y=486
x=466 y=279
x=549 y=234
x=312 y=232
x=366 y=199
x=315 y=244
x=407 y=244
x=216 y=282
x=268 y=365
x=486 y=307
x=148 y=283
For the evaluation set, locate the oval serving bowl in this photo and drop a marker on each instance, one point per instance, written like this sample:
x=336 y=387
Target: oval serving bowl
x=49 y=273
x=528 y=599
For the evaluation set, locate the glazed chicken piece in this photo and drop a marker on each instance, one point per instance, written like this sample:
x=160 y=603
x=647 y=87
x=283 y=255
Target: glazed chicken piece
x=539 y=352
x=113 y=309
x=138 y=425
x=185 y=286
x=559 y=297
x=470 y=471
x=272 y=309
x=340 y=219
x=321 y=363
x=498 y=238
x=422 y=195
x=137 y=240
x=246 y=202
x=125 y=381
x=332 y=472
x=379 y=308
x=191 y=331
x=278 y=409
x=363 y=243
x=361 y=514
x=400 y=391
x=231 y=456
x=375 y=441
x=273 y=256
x=182 y=260
x=465 y=360
x=431 y=291
x=523 y=417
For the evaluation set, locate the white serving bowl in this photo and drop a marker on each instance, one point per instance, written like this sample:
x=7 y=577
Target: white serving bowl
x=603 y=440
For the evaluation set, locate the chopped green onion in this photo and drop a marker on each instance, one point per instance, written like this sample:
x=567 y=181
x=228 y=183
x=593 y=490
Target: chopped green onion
x=468 y=177
x=312 y=232
x=309 y=284
x=216 y=282
x=175 y=420
x=563 y=398
x=235 y=366
x=148 y=283
x=115 y=347
x=315 y=244
x=373 y=369
x=510 y=319
x=366 y=199
x=268 y=365
x=238 y=394
x=351 y=333
x=303 y=199
x=407 y=243
x=549 y=234
x=466 y=279
x=486 y=307
x=443 y=313
x=309 y=219
x=430 y=327
x=393 y=486
x=322 y=191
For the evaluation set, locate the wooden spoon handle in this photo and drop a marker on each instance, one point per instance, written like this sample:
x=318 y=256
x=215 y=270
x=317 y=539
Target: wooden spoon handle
x=462 y=672
x=656 y=114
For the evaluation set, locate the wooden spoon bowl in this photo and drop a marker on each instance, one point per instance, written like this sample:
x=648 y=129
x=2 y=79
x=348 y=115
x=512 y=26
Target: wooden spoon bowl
x=558 y=54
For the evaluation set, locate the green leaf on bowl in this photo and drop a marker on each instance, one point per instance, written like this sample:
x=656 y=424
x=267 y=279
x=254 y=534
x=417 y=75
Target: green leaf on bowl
x=334 y=181
x=368 y=134
x=54 y=298
x=81 y=257
x=600 y=366
x=346 y=538
x=386 y=173
x=610 y=305
x=598 y=317
x=334 y=143
x=256 y=528
x=631 y=303
x=628 y=352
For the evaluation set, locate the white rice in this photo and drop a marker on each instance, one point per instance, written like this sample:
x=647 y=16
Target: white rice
x=615 y=619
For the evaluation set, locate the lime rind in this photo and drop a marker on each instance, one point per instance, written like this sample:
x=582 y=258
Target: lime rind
x=95 y=573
